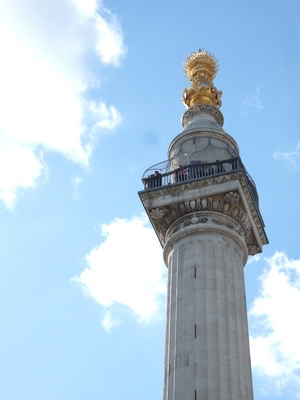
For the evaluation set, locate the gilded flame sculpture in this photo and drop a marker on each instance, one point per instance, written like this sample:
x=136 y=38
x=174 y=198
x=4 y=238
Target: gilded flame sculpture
x=201 y=67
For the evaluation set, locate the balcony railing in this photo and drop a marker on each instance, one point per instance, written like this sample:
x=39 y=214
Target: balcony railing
x=198 y=171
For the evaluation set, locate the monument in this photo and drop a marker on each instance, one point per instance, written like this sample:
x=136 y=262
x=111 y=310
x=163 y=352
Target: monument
x=203 y=206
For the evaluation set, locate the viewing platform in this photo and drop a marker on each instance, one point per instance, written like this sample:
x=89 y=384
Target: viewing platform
x=196 y=171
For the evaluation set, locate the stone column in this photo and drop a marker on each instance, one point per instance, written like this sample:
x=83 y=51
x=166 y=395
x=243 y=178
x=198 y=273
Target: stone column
x=207 y=353
x=205 y=212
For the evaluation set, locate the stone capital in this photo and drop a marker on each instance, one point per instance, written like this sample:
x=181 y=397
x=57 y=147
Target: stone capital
x=232 y=208
x=206 y=222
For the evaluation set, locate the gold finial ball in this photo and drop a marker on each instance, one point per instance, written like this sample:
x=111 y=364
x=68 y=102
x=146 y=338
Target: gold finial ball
x=201 y=67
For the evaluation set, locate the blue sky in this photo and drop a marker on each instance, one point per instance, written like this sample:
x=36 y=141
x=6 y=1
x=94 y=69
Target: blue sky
x=90 y=96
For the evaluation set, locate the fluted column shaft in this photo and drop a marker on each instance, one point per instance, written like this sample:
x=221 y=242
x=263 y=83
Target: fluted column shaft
x=207 y=347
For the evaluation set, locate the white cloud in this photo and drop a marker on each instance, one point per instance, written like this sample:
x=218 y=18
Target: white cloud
x=275 y=346
x=19 y=167
x=44 y=79
x=252 y=101
x=290 y=157
x=110 y=44
x=87 y=7
x=127 y=268
x=108 y=321
x=104 y=116
x=254 y=259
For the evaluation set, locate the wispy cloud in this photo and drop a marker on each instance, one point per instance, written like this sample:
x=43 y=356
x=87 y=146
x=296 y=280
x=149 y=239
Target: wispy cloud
x=126 y=268
x=103 y=116
x=275 y=346
x=108 y=322
x=290 y=156
x=76 y=182
x=45 y=76
x=253 y=101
